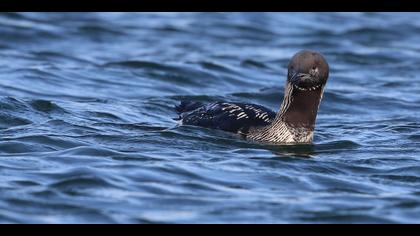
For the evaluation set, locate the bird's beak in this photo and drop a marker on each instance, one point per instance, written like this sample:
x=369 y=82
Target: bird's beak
x=294 y=77
x=297 y=76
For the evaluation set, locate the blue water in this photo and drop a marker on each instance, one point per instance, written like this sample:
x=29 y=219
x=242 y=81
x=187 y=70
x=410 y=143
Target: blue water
x=87 y=136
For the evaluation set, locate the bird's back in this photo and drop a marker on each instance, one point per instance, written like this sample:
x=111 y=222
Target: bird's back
x=227 y=116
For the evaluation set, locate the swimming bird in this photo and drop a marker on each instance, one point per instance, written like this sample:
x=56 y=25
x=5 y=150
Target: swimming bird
x=307 y=76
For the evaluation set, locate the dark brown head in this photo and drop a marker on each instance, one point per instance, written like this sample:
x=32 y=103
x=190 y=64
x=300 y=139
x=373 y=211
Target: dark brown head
x=308 y=70
x=307 y=75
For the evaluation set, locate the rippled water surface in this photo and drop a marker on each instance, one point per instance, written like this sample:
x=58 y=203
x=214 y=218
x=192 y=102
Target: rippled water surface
x=86 y=129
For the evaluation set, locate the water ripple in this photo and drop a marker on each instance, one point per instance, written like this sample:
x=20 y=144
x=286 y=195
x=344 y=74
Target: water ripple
x=87 y=135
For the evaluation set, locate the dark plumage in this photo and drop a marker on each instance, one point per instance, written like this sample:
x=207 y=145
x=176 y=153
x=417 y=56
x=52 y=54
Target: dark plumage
x=231 y=117
x=307 y=75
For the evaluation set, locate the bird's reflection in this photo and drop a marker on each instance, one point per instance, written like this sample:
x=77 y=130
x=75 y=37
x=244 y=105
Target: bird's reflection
x=294 y=151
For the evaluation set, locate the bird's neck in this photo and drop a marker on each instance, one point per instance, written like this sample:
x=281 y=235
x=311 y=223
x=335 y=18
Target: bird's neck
x=295 y=122
x=300 y=108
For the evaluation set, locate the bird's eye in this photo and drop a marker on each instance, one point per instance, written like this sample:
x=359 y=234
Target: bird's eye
x=314 y=68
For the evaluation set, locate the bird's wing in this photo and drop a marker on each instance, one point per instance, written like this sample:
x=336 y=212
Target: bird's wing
x=232 y=117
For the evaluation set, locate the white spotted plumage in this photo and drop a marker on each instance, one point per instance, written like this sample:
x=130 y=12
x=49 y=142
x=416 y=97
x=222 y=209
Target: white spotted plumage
x=295 y=122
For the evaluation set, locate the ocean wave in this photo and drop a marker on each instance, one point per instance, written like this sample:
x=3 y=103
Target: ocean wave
x=87 y=131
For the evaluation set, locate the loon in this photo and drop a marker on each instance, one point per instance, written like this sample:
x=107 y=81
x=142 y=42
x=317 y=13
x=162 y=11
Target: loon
x=307 y=76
